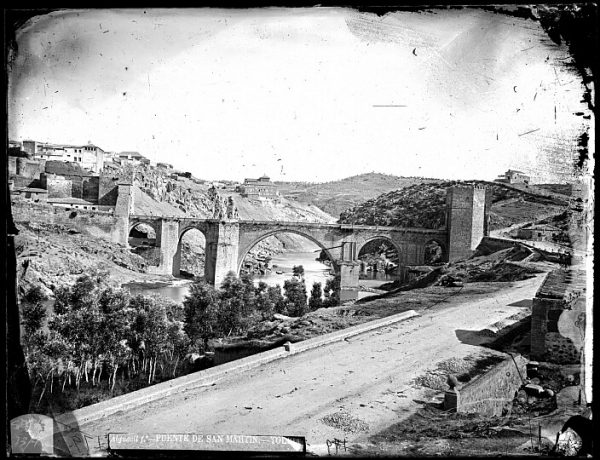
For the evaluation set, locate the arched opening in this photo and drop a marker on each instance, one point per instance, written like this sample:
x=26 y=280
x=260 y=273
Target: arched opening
x=142 y=235
x=434 y=253
x=142 y=240
x=277 y=256
x=379 y=264
x=190 y=258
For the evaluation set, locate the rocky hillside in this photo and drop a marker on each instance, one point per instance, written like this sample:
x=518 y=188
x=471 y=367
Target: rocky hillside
x=337 y=196
x=51 y=255
x=424 y=205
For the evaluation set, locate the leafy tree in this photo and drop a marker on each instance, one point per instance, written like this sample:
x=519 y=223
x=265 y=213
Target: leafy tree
x=316 y=301
x=298 y=271
x=276 y=298
x=332 y=292
x=237 y=303
x=264 y=302
x=295 y=293
x=150 y=326
x=201 y=313
x=32 y=318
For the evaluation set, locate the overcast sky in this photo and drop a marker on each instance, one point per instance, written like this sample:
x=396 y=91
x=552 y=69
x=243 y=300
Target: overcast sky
x=308 y=94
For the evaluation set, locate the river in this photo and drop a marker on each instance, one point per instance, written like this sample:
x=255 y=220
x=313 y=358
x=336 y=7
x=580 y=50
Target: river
x=314 y=272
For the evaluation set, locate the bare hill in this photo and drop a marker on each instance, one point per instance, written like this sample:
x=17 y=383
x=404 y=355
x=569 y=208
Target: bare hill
x=424 y=205
x=337 y=196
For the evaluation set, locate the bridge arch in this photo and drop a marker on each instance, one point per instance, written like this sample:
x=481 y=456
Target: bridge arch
x=385 y=238
x=177 y=257
x=244 y=252
x=155 y=225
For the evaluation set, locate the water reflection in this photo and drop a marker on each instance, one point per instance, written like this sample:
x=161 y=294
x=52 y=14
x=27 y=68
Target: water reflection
x=283 y=265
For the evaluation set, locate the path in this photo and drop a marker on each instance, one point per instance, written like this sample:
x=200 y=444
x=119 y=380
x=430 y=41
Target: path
x=367 y=375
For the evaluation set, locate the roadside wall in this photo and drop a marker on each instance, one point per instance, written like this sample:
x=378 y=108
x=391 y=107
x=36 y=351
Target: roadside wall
x=489 y=245
x=558 y=318
x=493 y=392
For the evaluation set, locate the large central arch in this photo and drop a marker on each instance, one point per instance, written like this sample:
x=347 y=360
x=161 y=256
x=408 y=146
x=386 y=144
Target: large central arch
x=244 y=252
x=177 y=255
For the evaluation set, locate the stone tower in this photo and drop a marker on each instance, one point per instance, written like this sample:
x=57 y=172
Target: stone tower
x=467 y=219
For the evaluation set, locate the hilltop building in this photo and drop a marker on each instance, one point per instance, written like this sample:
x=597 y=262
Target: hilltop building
x=135 y=158
x=88 y=156
x=540 y=232
x=512 y=176
x=258 y=188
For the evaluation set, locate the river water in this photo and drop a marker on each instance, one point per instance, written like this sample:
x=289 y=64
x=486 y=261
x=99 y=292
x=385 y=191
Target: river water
x=314 y=272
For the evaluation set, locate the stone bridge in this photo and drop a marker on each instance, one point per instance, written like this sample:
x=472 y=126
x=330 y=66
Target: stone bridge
x=228 y=241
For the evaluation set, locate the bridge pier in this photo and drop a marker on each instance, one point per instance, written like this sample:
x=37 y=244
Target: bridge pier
x=167 y=239
x=123 y=208
x=222 y=246
x=349 y=271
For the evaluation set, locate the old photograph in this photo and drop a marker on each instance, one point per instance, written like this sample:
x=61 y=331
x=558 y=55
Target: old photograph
x=300 y=231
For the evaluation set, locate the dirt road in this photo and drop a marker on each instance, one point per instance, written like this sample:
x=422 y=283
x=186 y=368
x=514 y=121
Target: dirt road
x=367 y=376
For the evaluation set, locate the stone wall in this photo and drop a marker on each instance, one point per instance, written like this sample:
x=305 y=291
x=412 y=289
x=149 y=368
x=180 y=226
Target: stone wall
x=558 y=318
x=489 y=245
x=29 y=168
x=108 y=190
x=492 y=393
x=83 y=187
x=100 y=224
x=59 y=186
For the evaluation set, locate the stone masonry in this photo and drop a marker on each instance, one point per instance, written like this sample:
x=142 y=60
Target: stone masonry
x=229 y=240
x=558 y=318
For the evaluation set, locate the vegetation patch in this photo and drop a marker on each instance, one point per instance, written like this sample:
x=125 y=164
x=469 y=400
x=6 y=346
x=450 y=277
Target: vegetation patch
x=345 y=422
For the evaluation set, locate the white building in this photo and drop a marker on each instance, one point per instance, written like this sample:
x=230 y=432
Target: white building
x=88 y=156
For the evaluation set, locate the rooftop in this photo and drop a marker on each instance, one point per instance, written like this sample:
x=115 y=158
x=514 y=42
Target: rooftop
x=131 y=154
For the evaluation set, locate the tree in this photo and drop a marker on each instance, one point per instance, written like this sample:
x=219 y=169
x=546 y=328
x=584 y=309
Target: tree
x=298 y=271
x=295 y=293
x=276 y=297
x=264 y=303
x=332 y=292
x=33 y=314
x=316 y=301
x=237 y=303
x=201 y=314
x=150 y=326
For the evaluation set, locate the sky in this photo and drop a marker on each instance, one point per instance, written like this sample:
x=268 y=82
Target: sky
x=315 y=94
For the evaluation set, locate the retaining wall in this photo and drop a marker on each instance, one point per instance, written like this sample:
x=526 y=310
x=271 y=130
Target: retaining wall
x=558 y=318
x=492 y=393
x=99 y=224
x=489 y=245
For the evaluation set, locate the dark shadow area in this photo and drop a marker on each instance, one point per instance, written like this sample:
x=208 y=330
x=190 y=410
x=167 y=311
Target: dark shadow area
x=432 y=431
x=522 y=303
x=511 y=338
